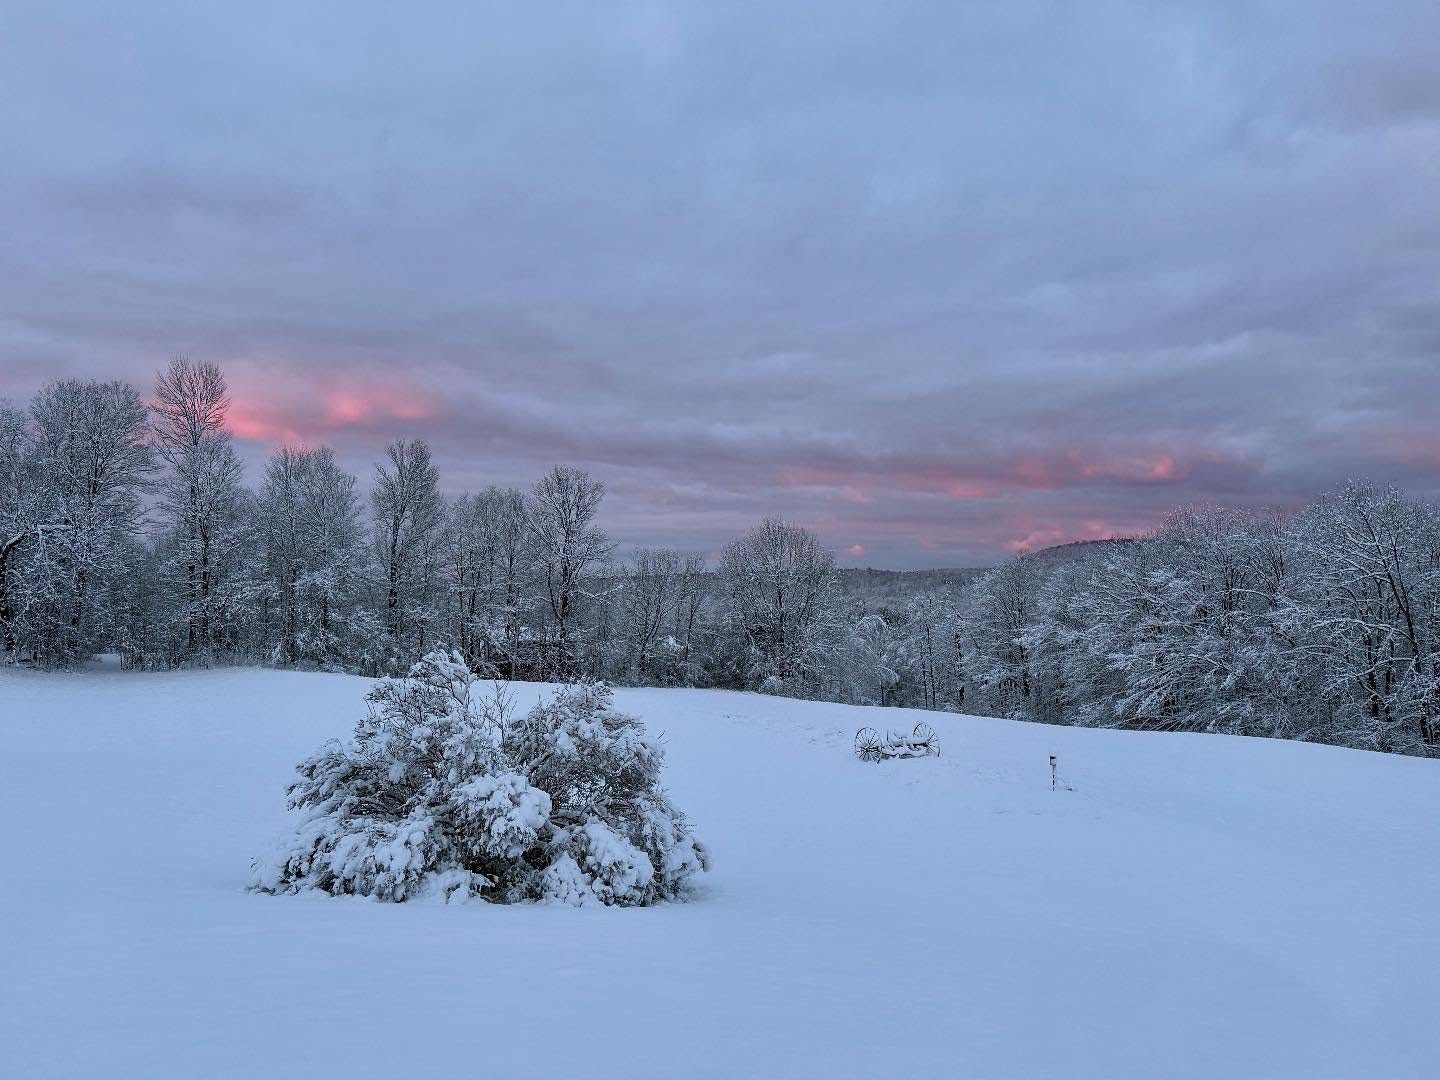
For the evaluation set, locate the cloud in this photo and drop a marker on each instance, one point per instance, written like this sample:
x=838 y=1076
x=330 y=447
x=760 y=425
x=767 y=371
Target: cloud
x=310 y=407
x=941 y=280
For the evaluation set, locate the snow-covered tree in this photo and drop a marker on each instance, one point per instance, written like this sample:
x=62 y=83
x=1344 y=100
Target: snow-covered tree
x=995 y=615
x=86 y=463
x=312 y=542
x=331 y=517
x=22 y=512
x=657 y=597
x=201 y=507
x=559 y=514
x=867 y=665
x=443 y=793
x=408 y=515
x=929 y=661
x=488 y=568
x=1367 y=614
x=779 y=589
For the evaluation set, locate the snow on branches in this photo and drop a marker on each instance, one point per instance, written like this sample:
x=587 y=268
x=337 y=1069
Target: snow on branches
x=443 y=793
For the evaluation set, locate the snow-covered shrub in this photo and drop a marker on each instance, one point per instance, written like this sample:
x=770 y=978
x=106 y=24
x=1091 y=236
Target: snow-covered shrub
x=441 y=793
x=773 y=685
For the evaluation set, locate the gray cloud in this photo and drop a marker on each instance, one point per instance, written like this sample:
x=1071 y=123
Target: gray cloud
x=937 y=279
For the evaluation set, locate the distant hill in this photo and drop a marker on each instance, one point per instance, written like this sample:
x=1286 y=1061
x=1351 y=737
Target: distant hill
x=1064 y=554
x=880 y=589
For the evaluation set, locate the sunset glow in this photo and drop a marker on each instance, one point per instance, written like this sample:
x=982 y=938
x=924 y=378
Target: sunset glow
x=1010 y=281
x=311 y=413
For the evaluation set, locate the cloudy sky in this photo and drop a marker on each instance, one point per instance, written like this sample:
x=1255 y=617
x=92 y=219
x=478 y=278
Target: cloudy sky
x=939 y=280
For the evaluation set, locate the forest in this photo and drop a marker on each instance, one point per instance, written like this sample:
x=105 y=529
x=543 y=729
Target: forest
x=127 y=526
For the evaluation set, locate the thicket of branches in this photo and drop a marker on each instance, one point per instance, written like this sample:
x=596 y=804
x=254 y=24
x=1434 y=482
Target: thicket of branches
x=127 y=526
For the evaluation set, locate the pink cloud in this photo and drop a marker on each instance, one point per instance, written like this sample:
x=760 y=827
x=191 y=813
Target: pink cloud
x=990 y=479
x=259 y=422
x=300 y=410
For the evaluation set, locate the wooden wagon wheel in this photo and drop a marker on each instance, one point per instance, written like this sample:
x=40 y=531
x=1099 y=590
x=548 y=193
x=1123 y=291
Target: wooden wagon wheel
x=868 y=744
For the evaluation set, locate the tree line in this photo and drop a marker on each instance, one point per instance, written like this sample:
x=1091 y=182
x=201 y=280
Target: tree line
x=1322 y=625
x=126 y=526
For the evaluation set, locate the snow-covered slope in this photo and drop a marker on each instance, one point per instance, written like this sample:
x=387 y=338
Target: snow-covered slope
x=1190 y=907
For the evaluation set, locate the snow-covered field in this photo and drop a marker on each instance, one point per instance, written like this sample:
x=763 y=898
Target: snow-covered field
x=1190 y=907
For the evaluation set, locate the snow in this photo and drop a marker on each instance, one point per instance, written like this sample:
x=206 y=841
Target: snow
x=1190 y=906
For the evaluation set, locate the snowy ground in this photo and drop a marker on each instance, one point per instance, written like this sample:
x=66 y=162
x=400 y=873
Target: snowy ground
x=1194 y=907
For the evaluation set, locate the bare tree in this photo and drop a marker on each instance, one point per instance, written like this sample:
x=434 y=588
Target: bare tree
x=507 y=538
x=780 y=589
x=312 y=538
x=331 y=517
x=691 y=593
x=485 y=560
x=559 y=515
x=191 y=401
x=649 y=592
x=408 y=512
x=200 y=493
x=280 y=503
